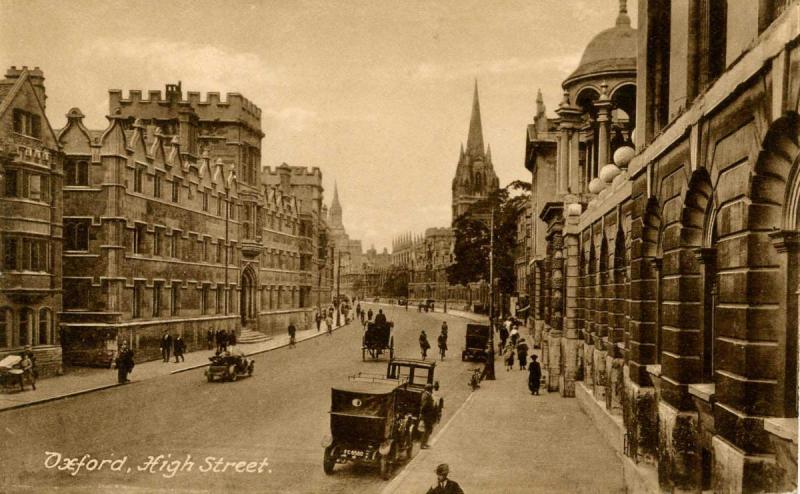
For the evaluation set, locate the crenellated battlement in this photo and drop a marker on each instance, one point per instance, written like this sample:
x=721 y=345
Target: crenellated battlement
x=209 y=106
x=296 y=170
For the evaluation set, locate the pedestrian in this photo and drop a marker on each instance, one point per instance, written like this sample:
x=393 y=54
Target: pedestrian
x=223 y=340
x=427 y=414
x=510 y=357
x=363 y=318
x=124 y=364
x=26 y=364
x=292 y=331
x=318 y=319
x=369 y=315
x=442 y=342
x=503 y=337
x=210 y=338
x=166 y=345
x=329 y=324
x=423 y=344
x=534 y=375
x=522 y=354
x=514 y=335
x=232 y=338
x=443 y=484
x=358 y=311
x=179 y=346
x=444 y=328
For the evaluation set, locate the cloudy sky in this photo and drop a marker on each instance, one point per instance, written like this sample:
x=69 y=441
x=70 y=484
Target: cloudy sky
x=377 y=93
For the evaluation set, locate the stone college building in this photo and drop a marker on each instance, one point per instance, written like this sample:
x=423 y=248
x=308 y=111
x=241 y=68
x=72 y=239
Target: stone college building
x=666 y=199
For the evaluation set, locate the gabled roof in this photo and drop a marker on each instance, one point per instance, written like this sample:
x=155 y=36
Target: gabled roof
x=11 y=91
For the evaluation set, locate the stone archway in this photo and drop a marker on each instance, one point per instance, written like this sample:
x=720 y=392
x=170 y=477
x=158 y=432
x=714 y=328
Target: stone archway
x=248 y=299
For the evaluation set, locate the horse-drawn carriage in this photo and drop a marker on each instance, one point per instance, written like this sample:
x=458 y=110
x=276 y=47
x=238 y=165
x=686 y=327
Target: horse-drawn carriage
x=377 y=339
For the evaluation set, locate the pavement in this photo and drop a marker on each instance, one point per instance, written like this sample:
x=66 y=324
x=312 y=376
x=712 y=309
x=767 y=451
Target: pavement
x=81 y=380
x=523 y=443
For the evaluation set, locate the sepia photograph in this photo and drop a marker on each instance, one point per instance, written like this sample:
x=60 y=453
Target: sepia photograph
x=399 y=247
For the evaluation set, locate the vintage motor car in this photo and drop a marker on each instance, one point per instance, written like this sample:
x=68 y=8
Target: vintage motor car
x=367 y=427
x=477 y=342
x=413 y=375
x=377 y=339
x=229 y=366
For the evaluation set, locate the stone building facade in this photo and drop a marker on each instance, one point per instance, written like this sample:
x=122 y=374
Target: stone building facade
x=30 y=222
x=666 y=270
x=168 y=227
x=306 y=186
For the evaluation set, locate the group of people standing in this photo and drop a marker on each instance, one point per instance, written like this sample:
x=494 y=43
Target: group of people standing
x=170 y=345
x=220 y=339
x=327 y=318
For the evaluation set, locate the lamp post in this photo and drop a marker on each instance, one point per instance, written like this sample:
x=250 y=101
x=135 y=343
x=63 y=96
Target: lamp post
x=489 y=369
x=338 y=287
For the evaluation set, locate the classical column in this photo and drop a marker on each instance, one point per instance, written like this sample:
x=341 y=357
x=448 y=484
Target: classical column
x=571 y=317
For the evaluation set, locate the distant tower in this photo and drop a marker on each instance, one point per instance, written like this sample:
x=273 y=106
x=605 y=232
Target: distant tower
x=335 y=214
x=475 y=177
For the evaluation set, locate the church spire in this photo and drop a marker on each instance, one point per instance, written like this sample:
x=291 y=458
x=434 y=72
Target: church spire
x=475 y=137
x=336 y=208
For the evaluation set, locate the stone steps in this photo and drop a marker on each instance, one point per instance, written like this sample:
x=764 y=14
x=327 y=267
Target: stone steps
x=248 y=336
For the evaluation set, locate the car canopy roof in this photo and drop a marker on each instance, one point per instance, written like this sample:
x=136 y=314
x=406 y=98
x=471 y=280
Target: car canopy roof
x=363 y=399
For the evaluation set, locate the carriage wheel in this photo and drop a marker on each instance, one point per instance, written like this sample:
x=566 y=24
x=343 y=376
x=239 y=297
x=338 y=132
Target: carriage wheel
x=328 y=461
x=386 y=467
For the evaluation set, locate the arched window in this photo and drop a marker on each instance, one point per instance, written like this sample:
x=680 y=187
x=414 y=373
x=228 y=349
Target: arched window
x=25 y=322
x=6 y=323
x=44 y=326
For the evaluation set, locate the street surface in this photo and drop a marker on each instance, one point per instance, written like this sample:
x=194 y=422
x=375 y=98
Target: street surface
x=273 y=422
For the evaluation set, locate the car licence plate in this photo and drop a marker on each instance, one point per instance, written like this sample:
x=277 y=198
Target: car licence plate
x=356 y=454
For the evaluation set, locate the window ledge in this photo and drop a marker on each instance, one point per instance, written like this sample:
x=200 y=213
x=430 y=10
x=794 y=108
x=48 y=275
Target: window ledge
x=785 y=428
x=654 y=369
x=703 y=391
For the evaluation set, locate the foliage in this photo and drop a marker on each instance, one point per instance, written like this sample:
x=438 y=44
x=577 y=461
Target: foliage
x=472 y=243
x=395 y=283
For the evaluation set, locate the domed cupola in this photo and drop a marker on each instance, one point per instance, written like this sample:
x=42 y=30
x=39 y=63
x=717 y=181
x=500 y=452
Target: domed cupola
x=610 y=52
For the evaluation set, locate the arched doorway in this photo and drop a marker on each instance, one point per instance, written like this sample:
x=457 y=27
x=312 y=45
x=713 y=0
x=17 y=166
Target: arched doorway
x=247 y=301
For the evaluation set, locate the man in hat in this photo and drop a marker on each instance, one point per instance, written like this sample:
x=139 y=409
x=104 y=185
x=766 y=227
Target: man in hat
x=443 y=484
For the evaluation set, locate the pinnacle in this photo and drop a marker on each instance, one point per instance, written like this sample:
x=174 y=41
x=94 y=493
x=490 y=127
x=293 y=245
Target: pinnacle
x=475 y=136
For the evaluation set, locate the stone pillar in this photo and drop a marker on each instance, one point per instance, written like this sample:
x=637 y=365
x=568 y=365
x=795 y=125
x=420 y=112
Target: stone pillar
x=571 y=330
x=603 y=105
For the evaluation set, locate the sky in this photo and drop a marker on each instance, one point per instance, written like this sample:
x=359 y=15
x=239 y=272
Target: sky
x=376 y=93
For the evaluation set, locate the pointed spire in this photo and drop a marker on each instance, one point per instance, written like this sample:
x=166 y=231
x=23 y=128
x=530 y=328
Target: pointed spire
x=335 y=211
x=489 y=153
x=622 y=18
x=475 y=137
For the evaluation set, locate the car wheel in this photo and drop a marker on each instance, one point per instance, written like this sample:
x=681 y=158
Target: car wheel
x=328 y=461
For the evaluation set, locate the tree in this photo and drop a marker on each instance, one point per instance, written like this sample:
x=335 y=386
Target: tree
x=395 y=283
x=472 y=238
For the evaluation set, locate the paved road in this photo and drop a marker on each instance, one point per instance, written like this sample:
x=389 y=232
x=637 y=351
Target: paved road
x=279 y=414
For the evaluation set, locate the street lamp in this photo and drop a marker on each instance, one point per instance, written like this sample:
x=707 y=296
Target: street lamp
x=488 y=371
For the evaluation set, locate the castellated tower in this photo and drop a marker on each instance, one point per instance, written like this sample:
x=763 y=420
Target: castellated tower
x=475 y=177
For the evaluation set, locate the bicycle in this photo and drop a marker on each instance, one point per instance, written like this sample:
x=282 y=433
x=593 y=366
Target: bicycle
x=475 y=378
